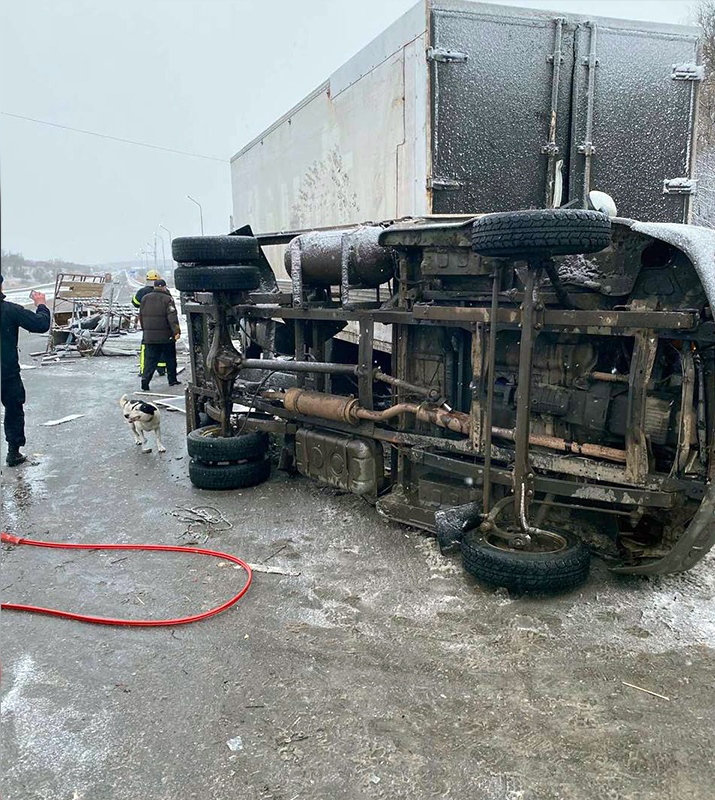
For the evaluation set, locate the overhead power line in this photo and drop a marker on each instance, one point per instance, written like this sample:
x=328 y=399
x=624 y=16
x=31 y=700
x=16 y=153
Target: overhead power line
x=113 y=138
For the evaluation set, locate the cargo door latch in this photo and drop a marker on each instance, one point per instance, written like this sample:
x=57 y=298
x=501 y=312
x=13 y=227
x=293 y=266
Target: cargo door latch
x=447 y=184
x=444 y=55
x=680 y=186
x=688 y=72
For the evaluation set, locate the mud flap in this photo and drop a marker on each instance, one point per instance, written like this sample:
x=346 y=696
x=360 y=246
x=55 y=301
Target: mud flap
x=286 y=459
x=451 y=523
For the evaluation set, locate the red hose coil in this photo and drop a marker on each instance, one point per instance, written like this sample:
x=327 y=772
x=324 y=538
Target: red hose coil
x=9 y=538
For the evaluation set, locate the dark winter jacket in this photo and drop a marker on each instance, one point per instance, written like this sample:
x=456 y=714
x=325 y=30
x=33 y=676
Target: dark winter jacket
x=158 y=317
x=13 y=317
x=141 y=294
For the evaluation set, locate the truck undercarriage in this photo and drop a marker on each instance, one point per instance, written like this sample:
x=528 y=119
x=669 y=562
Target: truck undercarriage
x=529 y=386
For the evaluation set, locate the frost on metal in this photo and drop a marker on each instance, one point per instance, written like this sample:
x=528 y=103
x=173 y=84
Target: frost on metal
x=704 y=200
x=697 y=243
x=392 y=133
x=364 y=238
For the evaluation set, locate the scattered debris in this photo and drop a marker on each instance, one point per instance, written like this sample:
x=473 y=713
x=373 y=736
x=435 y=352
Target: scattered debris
x=235 y=744
x=201 y=522
x=52 y=422
x=107 y=351
x=275 y=553
x=273 y=570
x=294 y=737
x=374 y=778
x=170 y=406
x=28 y=366
x=85 y=314
x=265 y=568
x=647 y=691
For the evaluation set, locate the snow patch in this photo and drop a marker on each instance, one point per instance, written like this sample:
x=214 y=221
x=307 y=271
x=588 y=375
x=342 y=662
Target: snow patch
x=667 y=613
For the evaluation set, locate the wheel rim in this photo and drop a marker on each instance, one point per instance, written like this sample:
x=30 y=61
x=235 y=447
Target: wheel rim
x=543 y=542
x=211 y=433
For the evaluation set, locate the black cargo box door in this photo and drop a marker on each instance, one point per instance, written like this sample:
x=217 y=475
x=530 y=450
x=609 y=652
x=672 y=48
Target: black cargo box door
x=644 y=86
x=616 y=115
x=492 y=76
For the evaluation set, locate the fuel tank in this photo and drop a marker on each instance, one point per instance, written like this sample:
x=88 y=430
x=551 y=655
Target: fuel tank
x=346 y=462
x=370 y=264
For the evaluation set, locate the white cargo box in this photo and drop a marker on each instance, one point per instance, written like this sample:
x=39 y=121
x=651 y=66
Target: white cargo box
x=464 y=107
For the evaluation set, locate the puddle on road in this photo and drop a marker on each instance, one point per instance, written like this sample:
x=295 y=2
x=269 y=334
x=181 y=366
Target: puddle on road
x=24 y=488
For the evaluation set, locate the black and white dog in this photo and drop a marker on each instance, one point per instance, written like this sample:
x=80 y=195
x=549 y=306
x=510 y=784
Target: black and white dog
x=142 y=418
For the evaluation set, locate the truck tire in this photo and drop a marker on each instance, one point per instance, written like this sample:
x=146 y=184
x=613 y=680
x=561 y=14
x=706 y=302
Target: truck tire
x=219 y=250
x=216 y=278
x=208 y=446
x=548 y=232
x=229 y=476
x=525 y=570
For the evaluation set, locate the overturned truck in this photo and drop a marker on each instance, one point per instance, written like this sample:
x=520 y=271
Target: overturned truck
x=529 y=385
x=550 y=386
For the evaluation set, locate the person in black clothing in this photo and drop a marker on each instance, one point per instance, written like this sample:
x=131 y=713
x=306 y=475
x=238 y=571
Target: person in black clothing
x=160 y=324
x=151 y=276
x=12 y=318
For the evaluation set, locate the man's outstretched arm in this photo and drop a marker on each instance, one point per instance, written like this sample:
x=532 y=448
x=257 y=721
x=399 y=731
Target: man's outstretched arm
x=37 y=321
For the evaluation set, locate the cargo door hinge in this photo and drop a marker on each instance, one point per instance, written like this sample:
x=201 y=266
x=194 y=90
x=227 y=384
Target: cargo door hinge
x=443 y=183
x=680 y=186
x=688 y=72
x=444 y=55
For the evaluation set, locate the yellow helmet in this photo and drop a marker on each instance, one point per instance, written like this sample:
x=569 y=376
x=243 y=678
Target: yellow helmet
x=153 y=275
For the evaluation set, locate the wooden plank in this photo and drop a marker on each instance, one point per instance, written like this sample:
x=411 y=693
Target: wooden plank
x=70 y=291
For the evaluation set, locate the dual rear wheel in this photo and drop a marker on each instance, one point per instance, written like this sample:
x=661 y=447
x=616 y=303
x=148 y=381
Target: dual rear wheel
x=216 y=263
x=227 y=462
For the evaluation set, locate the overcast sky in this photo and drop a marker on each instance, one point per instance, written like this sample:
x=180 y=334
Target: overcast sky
x=203 y=76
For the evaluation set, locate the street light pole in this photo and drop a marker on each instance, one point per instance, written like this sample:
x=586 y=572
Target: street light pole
x=201 y=212
x=163 y=251
x=163 y=227
x=153 y=251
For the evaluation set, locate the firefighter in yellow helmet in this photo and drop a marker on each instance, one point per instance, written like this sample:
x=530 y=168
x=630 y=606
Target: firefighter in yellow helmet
x=151 y=276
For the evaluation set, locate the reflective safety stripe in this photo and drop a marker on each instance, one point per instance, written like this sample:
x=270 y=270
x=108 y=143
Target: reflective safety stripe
x=161 y=364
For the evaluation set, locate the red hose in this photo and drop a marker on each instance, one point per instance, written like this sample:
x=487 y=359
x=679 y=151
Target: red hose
x=8 y=538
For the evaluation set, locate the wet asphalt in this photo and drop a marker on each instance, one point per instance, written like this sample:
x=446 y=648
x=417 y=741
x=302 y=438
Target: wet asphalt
x=367 y=666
